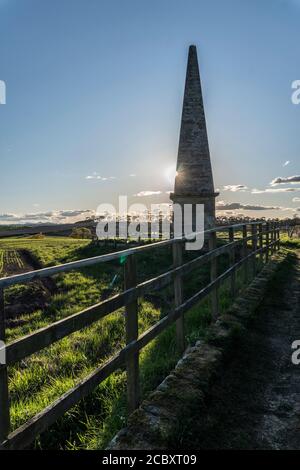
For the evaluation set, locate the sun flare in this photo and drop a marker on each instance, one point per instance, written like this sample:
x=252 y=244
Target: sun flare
x=171 y=173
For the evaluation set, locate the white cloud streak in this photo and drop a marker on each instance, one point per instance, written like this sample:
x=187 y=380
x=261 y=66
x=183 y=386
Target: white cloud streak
x=274 y=190
x=221 y=206
x=50 y=217
x=147 y=193
x=96 y=176
x=285 y=179
x=235 y=187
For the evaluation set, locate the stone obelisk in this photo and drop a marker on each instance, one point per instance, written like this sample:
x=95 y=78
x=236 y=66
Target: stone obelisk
x=194 y=179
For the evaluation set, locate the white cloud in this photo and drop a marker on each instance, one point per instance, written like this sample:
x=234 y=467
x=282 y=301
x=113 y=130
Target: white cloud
x=286 y=179
x=96 y=176
x=50 y=217
x=286 y=163
x=147 y=193
x=232 y=207
x=8 y=217
x=296 y=199
x=221 y=206
x=235 y=187
x=274 y=190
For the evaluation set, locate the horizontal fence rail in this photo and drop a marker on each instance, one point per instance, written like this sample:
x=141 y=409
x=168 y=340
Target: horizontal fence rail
x=47 y=272
x=265 y=240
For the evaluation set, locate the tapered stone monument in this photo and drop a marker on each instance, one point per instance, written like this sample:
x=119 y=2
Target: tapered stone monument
x=194 y=180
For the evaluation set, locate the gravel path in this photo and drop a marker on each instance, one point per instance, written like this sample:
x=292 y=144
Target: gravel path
x=256 y=402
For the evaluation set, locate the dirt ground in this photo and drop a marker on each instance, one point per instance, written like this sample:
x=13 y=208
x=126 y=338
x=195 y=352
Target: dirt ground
x=255 y=404
x=35 y=296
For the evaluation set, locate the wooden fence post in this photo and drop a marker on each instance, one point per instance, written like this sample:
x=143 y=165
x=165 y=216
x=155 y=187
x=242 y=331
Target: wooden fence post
x=254 y=247
x=160 y=222
x=275 y=237
x=245 y=252
x=271 y=237
x=261 y=242
x=131 y=318
x=213 y=276
x=278 y=238
x=178 y=294
x=4 y=395
x=232 y=261
x=267 y=241
x=149 y=219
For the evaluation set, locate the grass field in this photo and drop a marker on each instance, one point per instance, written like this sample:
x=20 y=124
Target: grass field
x=1 y=262
x=37 y=381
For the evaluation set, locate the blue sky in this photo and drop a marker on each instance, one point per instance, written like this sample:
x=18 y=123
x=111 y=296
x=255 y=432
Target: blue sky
x=95 y=87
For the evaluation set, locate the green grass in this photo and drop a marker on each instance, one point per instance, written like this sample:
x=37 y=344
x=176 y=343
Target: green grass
x=12 y=256
x=1 y=262
x=293 y=243
x=38 y=380
x=49 y=250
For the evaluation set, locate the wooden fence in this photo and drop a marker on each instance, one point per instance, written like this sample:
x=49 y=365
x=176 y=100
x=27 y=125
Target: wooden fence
x=264 y=240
